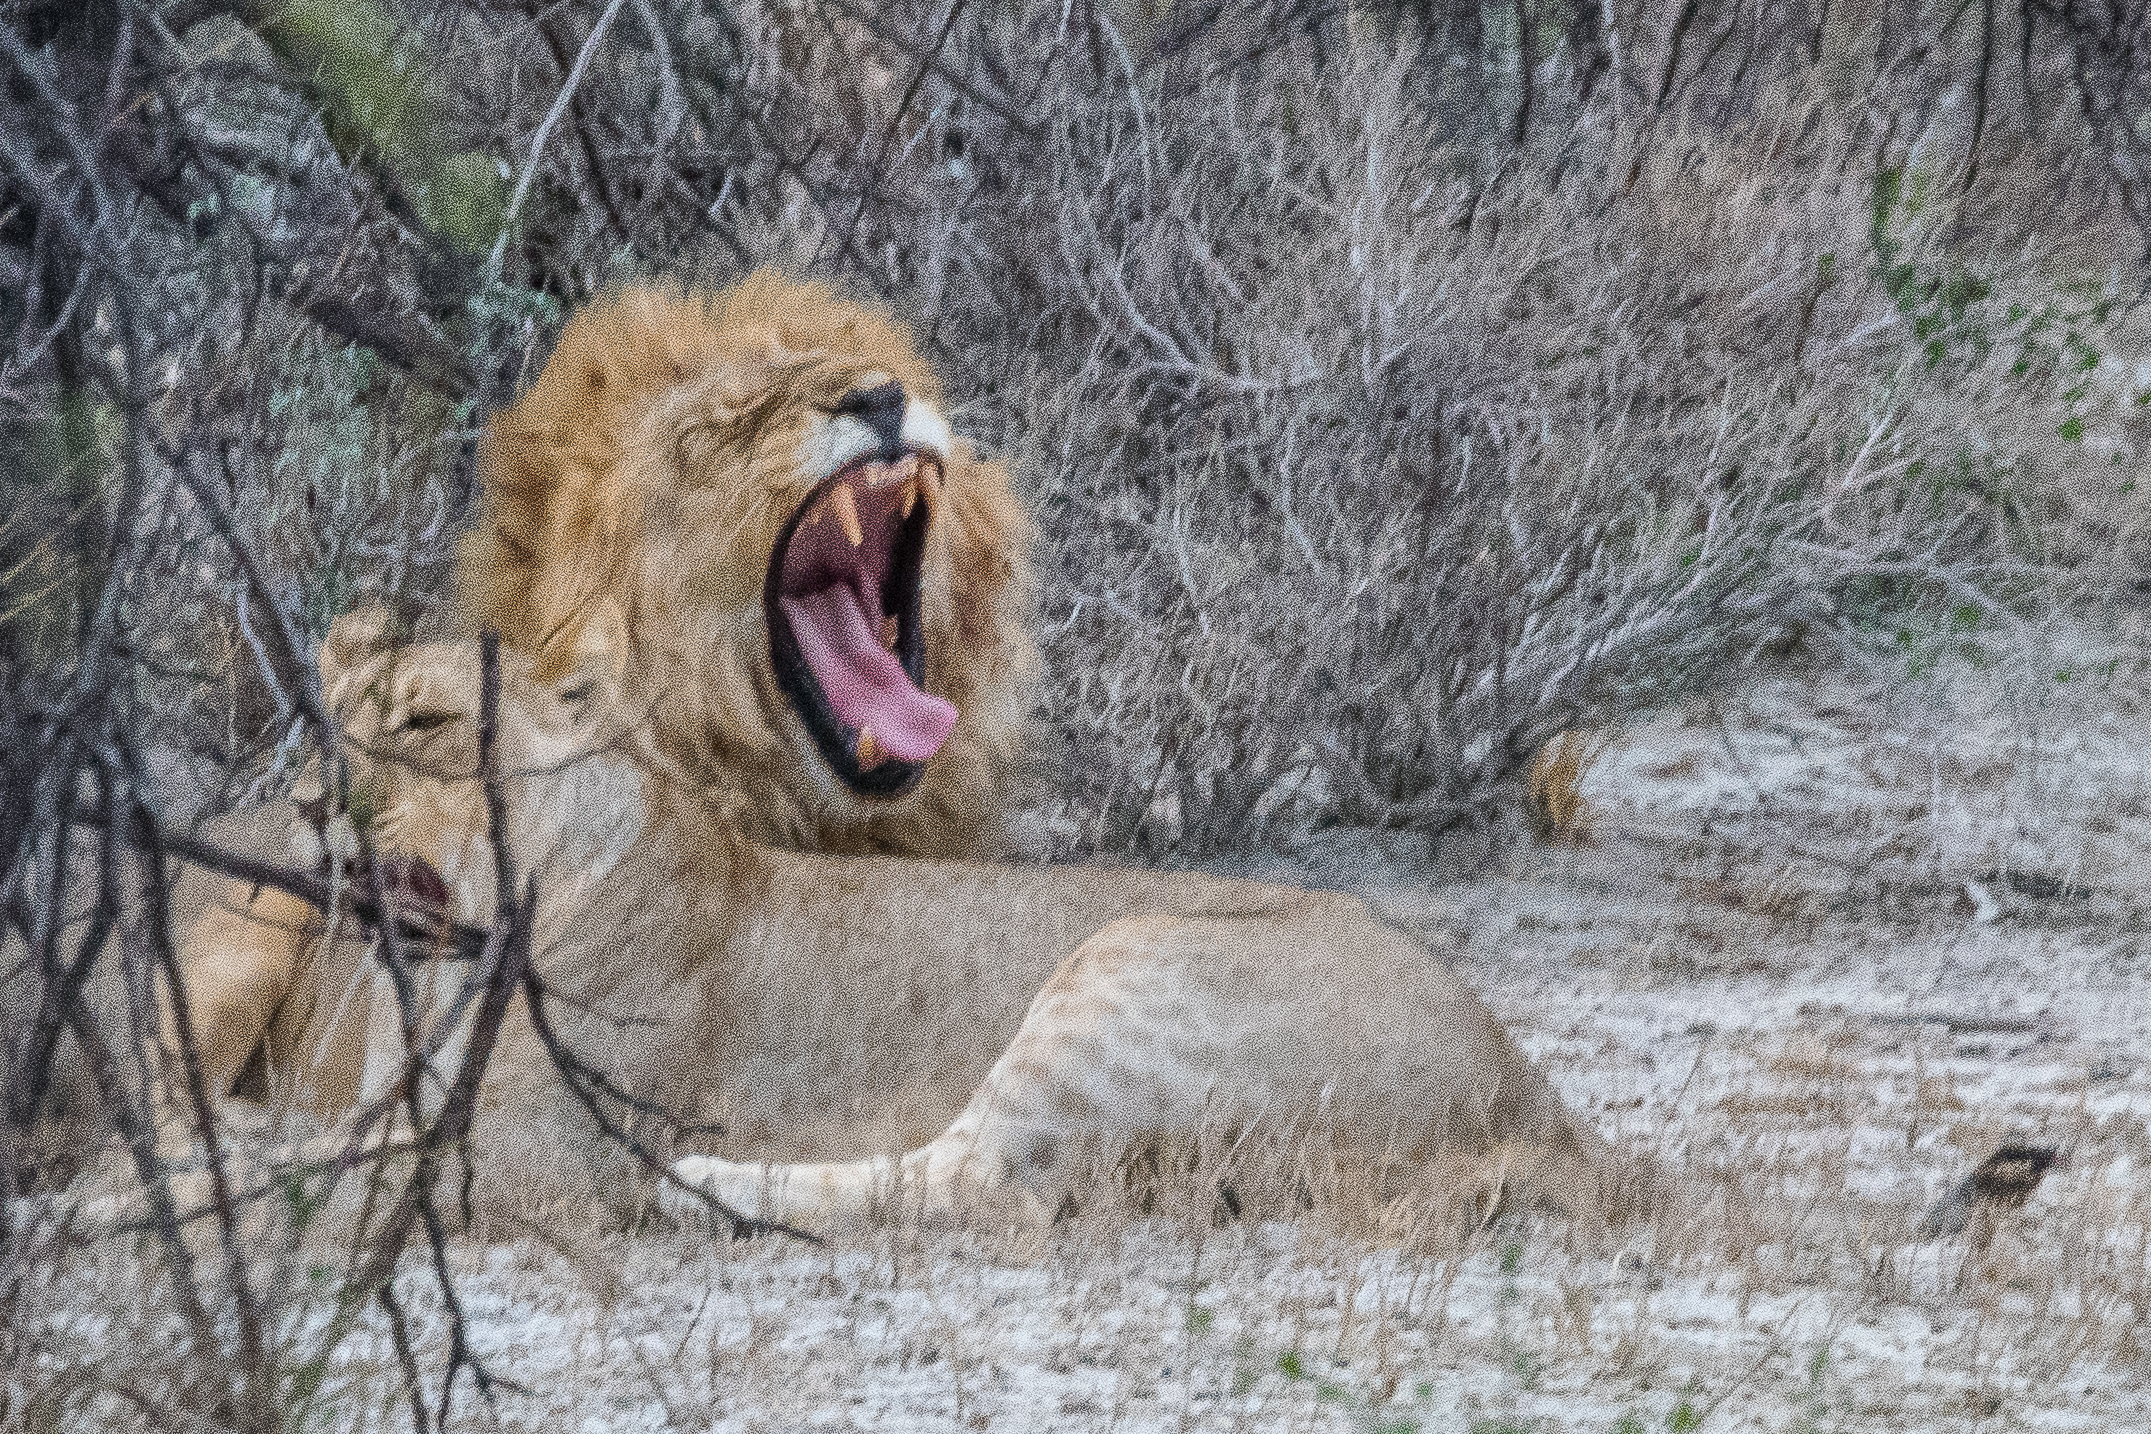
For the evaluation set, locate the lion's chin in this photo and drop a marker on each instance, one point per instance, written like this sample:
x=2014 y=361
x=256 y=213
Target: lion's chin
x=842 y=606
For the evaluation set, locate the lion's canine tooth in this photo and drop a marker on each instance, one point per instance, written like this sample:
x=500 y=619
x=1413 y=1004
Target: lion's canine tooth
x=847 y=514
x=868 y=753
x=909 y=497
x=889 y=631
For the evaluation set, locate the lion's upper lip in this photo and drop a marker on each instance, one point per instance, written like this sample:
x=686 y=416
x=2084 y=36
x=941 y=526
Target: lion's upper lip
x=843 y=609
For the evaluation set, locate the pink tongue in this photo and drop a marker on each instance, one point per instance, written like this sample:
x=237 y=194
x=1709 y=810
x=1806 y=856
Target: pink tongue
x=865 y=684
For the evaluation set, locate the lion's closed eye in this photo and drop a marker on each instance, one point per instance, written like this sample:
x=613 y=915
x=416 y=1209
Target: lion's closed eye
x=428 y=720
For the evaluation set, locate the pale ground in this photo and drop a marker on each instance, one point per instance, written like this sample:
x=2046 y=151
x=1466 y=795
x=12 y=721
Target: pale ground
x=1827 y=945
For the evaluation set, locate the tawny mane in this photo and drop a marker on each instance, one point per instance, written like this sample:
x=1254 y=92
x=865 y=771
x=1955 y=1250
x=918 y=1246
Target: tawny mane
x=645 y=479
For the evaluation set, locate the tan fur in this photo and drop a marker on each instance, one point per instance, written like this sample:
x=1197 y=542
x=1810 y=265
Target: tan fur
x=265 y=945
x=833 y=1008
x=648 y=471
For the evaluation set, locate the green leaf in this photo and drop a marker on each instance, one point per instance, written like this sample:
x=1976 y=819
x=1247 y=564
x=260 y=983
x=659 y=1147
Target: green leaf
x=382 y=102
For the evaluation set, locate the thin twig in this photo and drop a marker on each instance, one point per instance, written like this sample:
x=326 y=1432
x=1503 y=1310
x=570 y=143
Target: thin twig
x=545 y=131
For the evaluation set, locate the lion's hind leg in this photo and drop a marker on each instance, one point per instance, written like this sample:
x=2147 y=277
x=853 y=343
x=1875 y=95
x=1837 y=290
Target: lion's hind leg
x=1118 y=1048
x=941 y=1181
x=1311 y=1027
x=999 y=1154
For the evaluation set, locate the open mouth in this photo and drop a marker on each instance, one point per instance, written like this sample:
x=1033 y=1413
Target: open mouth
x=842 y=600
x=408 y=883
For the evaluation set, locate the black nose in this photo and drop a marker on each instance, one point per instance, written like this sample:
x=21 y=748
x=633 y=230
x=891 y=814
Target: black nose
x=881 y=409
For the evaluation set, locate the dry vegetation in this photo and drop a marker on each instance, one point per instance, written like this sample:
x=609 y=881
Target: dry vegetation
x=1400 y=387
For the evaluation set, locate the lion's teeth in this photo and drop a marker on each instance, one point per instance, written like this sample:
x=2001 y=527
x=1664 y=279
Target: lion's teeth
x=847 y=514
x=909 y=497
x=889 y=631
x=868 y=754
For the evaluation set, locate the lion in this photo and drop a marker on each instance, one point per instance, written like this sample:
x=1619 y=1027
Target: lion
x=813 y=589
x=959 y=1030
x=63 y=1114
x=823 y=591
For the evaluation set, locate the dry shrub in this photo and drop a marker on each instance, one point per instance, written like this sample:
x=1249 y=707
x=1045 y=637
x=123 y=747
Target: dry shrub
x=1369 y=465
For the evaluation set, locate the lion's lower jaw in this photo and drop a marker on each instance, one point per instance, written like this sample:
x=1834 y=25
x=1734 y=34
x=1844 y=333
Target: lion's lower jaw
x=953 y=814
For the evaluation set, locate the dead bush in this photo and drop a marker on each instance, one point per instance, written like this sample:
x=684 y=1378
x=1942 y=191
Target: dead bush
x=1377 y=469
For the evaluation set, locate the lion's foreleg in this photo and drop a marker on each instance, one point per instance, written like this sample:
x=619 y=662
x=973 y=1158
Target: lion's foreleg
x=241 y=959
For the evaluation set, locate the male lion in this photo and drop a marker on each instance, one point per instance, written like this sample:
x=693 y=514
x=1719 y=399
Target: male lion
x=1060 y=1016
x=823 y=592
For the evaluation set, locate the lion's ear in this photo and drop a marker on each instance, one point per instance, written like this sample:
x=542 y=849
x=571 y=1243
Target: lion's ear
x=782 y=358
x=358 y=635
x=601 y=643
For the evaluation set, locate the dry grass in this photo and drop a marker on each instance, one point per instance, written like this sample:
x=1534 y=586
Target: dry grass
x=1777 y=1285
x=1554 y=805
